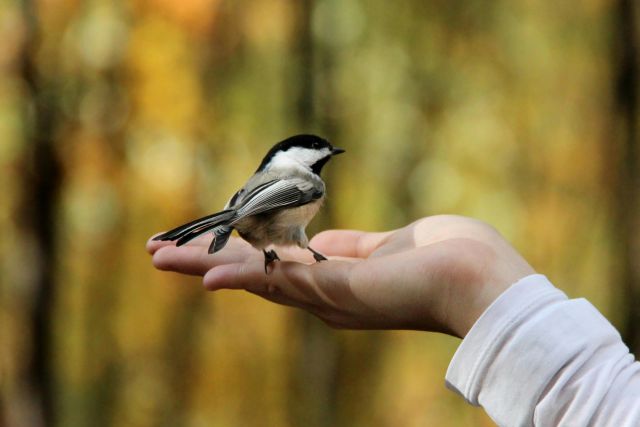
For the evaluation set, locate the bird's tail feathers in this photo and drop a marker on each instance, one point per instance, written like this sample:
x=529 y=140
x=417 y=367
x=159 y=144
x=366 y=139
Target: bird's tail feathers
x=193 y=229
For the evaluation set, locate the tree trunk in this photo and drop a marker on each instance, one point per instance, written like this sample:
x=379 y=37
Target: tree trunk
x=627 y=187
x=41 y=185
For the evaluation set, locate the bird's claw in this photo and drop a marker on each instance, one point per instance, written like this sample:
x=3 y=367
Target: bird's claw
x=317 y=255
x=269 y=257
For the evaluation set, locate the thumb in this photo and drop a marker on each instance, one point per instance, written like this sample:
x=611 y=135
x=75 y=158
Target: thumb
x=348 y=243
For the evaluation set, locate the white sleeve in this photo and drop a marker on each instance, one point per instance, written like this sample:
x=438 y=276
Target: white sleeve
x=535 y=357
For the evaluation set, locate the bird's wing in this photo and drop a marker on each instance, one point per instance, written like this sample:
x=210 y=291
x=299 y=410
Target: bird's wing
x=278 y=194
x=241 y=195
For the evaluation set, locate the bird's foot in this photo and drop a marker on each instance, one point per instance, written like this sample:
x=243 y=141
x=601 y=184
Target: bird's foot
x=269 y=257
x=317 y=255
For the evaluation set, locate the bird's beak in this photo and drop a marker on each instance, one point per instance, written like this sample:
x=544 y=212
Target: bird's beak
x=336 y=150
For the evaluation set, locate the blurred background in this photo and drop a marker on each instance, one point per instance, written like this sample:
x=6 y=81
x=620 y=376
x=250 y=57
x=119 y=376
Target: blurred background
x=119 y=119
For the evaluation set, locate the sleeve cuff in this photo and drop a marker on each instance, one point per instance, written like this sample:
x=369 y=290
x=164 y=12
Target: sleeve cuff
x=526 y=295
x=519 y=344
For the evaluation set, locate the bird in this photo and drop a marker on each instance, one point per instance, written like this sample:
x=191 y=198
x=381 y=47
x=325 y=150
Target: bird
x=274 y=206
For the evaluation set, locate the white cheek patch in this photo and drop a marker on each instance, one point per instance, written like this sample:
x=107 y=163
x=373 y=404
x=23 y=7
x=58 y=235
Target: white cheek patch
x=283 y=161
x=295 y=156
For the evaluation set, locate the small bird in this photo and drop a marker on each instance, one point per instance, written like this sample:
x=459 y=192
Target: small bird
x=275 y=205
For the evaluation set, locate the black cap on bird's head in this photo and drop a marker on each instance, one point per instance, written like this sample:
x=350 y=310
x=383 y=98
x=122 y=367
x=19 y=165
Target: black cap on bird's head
x=311 y=150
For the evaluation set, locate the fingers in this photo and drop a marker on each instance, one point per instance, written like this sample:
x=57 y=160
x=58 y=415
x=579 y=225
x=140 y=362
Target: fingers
x=318 y=285
x=194 y=259
x=348 y=243
x=185 y=259
x=153 y=245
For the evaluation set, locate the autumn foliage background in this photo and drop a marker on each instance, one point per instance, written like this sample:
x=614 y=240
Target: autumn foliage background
x=119 y=119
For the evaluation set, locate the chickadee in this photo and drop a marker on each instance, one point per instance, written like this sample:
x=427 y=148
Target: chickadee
x=275 y=205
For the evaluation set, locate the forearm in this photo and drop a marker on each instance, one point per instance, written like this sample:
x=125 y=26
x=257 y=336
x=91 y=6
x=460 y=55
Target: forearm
x=537 y=358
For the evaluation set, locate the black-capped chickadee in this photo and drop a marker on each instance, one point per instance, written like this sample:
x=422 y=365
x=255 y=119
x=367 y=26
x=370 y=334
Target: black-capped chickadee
x=275 y=205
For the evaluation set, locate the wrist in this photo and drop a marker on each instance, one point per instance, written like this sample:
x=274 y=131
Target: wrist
x=495 y=272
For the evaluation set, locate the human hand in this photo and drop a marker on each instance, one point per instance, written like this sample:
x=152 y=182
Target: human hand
x=437 y=274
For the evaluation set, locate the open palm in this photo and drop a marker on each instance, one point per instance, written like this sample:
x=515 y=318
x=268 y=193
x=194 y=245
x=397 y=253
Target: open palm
x=438 y=273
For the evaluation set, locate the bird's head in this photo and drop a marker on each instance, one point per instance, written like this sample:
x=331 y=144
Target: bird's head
x=308 y=151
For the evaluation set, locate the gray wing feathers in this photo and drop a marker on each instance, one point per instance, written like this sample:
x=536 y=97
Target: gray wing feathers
x=278 y=194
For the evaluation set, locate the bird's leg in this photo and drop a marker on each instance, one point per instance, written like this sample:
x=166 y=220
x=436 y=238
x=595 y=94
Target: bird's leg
x=317 y=255
x=269 y=257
